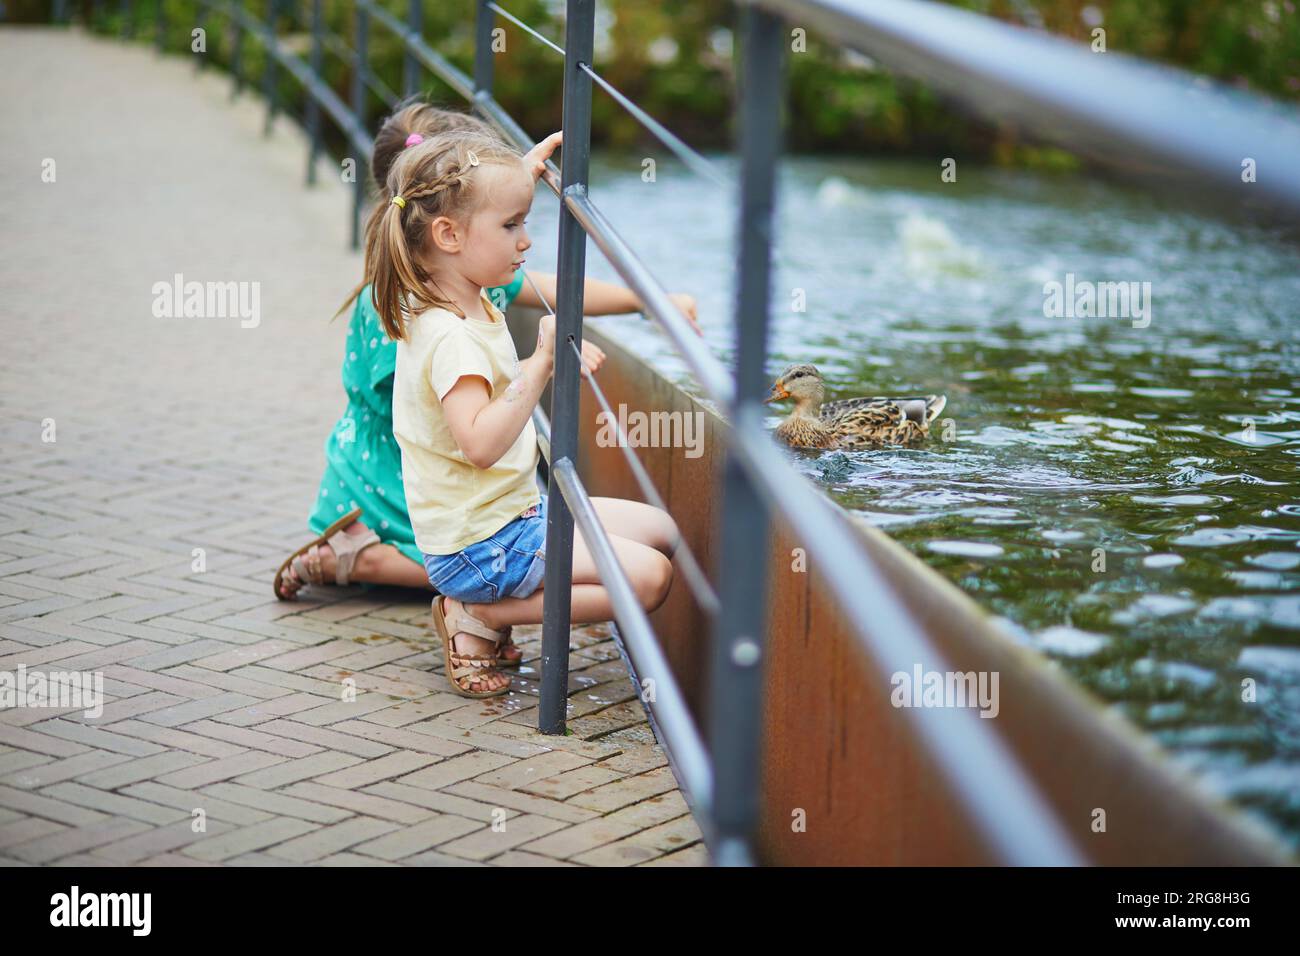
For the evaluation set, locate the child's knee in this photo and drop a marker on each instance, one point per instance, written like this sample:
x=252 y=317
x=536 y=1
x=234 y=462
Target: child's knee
x=654 y=580
x=666 y=530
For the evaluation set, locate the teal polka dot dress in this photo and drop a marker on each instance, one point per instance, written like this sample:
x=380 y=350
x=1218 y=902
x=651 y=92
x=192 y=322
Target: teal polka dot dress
x=363 y=465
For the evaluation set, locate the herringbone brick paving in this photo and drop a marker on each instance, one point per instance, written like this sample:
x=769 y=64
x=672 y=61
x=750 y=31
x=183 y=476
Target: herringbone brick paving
x=156 y=472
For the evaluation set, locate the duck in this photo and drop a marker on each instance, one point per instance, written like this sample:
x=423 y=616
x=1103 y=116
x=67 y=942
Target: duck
x=852 y=423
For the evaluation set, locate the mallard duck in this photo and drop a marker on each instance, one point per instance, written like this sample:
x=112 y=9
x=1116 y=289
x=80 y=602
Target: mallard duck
x=852 y=423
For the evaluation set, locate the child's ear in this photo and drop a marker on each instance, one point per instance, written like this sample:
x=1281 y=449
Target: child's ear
x=445 y=234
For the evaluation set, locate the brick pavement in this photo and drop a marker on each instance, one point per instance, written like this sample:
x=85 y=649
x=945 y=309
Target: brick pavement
x=158 y=469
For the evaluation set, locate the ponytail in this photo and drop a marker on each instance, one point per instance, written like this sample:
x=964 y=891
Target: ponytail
x=432 y=179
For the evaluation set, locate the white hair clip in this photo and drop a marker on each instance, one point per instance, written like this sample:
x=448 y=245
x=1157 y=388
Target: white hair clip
x=473 y=160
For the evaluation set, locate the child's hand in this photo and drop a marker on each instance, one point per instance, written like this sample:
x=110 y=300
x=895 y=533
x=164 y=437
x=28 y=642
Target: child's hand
x=686 y=303
x=546 y=337
x=593 y=357
x=535 y=159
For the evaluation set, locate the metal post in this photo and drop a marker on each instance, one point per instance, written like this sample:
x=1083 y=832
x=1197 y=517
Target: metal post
x=483 y=51
x=313 y=107
x=579 y=30
x=359 y=73
x=237 y=55
x=128 y=18
x=362 y=66
x=740 y=632
x=160 y=26
x=60 y=11
x=270 y=85
x=411 y=66
x=97 y=13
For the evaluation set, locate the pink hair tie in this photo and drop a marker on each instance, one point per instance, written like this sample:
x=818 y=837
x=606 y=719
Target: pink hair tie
x=414 y=139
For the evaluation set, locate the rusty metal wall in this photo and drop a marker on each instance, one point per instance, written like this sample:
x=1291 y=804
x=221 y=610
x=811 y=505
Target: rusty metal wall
x=843 y=781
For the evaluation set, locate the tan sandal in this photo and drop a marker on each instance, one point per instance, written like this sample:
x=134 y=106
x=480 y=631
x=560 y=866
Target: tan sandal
x=306 y=560
x=470 y=668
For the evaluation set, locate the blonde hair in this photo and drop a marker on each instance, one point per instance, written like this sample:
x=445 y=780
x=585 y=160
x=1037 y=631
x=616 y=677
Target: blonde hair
x=416 y=117
x=440 y=177
x=390 y=142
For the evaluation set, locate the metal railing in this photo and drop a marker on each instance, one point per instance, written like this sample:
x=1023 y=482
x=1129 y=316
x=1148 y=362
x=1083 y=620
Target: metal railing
x=1054 y=87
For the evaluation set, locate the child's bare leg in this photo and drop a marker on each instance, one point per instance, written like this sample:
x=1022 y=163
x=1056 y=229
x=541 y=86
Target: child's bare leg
x=639 y=522
x=385 y=564
x=375 y=564
x=649 y=571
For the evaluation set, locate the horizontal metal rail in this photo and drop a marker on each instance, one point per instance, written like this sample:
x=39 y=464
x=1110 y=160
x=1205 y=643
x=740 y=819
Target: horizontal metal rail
x=695 y=576
x=709 y=372
x=675 y=144
x=339 y=47
x=431 y=59
x=525 y=27
x=1110 y=107
x=314 y=86
x=987 y=781
x=543 y=426
x=671 y=140
x=681 y=738
x=461 y=83
x=699 y=584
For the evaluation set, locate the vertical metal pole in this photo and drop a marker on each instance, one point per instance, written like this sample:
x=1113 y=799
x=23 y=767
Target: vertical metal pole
x=740 y=633
x=237 y=55
x=160 y=26
x=128 y=18
x=98 y=12
x=60 y=11
x=362 y=67
x=270 y=78
x=411 y=66
x=579 y=31
x=486 y=20
x=313 y=107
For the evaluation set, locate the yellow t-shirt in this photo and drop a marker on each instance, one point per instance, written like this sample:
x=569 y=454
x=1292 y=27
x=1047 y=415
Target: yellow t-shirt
x=452 y=503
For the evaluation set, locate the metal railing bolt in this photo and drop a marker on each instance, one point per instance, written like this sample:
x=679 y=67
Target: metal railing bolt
x=745 y=653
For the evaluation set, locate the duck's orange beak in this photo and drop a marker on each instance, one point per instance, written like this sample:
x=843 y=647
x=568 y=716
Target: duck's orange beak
x=778 y=393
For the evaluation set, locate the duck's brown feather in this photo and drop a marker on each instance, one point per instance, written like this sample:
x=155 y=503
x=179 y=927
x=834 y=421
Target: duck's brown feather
x=934 y=405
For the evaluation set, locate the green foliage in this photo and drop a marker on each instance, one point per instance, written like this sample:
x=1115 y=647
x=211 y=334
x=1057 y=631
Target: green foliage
x=675 y=58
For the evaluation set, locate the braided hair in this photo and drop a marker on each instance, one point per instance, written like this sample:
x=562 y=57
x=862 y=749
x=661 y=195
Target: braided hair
x=439 y=177
x=411 y=116
x=415 y=116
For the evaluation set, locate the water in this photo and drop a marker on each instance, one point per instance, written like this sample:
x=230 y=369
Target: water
x=1124 y=498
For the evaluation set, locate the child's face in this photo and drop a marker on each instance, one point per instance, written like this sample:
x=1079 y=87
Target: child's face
x=496 y=239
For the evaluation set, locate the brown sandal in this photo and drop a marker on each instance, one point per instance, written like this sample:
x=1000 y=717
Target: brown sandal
x=306 y=560
x=469 y=668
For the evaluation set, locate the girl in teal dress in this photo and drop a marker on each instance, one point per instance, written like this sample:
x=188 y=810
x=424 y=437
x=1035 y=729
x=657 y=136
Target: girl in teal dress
x=359 y=513
x=363 y=466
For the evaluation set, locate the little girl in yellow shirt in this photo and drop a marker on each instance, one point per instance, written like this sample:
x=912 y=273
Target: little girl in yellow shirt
x=463 y=403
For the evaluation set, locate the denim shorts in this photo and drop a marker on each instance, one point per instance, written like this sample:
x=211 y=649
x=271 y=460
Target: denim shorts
x=510 y=563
